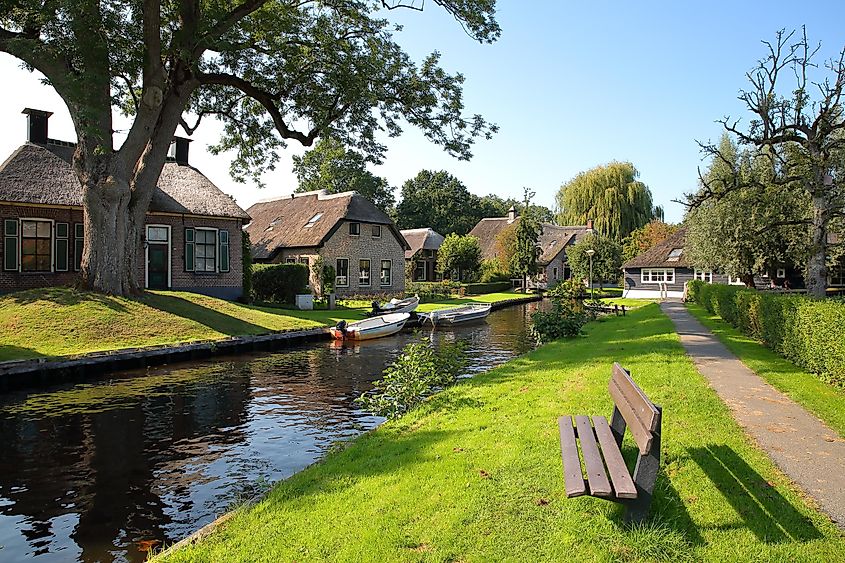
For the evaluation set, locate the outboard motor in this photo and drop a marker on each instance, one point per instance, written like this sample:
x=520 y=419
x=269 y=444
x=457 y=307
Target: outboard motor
x=376 y=308
x=341 y=326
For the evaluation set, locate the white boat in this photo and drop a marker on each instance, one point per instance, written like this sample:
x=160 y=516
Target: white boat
x=374 y=327
x=407 y=305
x=455 y=315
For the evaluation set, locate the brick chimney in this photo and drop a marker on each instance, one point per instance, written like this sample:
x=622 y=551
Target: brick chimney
x=179 y=150
x=511 y=214
x=36 y=125
x=589 y=224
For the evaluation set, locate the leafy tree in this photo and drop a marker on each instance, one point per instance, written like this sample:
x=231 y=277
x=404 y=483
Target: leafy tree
x=271 y=70
x=525 y=251
x=332 y=167
x=437 y=200
x=802 y=138
x=650 y=234
x=611 y=196
x=494 y=206
x=459 y=254
x=607 y=260
x=505 y=247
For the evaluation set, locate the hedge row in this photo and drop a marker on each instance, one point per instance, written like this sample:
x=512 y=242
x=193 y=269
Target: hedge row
x=279 y=283
x=489 y=287
x=805 y=330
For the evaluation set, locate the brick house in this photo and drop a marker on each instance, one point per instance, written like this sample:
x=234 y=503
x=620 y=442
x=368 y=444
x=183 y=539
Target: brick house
x=553 y=242
x=191 y=240
x=347 y=230
x=422 y=254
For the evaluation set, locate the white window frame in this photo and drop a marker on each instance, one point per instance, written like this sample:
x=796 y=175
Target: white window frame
x=781 y=273
x=52 y=245
x=216 y=250
x=337 y=270
x=651 y=271
x=290 y=259
x=703 y=275
x=169 y=254
x=369 y=273
x=381 y=269
x=734 y=281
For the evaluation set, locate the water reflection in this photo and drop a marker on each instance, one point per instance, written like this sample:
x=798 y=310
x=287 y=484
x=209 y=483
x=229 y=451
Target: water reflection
x=101 y=471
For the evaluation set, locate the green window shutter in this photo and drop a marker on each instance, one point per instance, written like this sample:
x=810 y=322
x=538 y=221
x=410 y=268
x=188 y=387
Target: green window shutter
x=189 y=249
x=10 y=244
x=62 y=230
x=224 y=251
x=62 y=246
x=78 y=245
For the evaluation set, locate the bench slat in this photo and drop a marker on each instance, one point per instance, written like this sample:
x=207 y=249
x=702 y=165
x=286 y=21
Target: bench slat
x=641 y=405
x=642 y=436
x=596 y=476
x=623 y=485
x=572 y=476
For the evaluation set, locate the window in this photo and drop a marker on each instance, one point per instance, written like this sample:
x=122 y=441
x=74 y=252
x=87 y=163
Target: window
x=206 y=250
x=675 y=255
x=420 y=271
x=304 y=260
x=386 y=268
x=342 y=273
x=704 y=275
x=781 y=273
x=157 y=234
x=10 y=244
x=78 y=245
x=554 y=273
x=734 y=281
x=364 y=273
x=313 y=220
x=36 y=251
x=376 y=231
x=837 y=275
x=62 y=246
x=354 y=229
x=658 y=275
x=290 y=260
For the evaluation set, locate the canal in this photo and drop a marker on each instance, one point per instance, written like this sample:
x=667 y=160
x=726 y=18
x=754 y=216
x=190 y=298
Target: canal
x=103 y=470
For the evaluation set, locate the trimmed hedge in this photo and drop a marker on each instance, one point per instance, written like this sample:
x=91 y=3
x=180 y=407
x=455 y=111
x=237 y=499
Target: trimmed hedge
x=805 y=330
x=489 y=287
x=279 y=283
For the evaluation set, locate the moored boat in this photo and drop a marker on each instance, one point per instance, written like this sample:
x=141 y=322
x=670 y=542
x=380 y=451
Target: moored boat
x=407 y=305
x=455 y=315
x=374 y=327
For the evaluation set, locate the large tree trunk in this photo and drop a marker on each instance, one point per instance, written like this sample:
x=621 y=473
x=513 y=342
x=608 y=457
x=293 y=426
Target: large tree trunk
x=816 y=263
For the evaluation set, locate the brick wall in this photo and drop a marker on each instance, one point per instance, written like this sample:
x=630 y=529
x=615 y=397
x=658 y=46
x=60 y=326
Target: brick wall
x=343 y=245
x=226 y=285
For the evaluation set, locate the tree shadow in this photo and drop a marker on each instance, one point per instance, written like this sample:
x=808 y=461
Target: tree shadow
x=205 y=316
x=9 y=353
x=766 y=513
x=65 y=296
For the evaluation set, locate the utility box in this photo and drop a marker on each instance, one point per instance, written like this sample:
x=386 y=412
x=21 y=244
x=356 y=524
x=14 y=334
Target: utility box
x=304 y=301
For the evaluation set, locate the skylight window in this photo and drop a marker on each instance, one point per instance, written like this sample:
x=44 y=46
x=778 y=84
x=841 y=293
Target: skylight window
x=313 y=220
x=675 y=255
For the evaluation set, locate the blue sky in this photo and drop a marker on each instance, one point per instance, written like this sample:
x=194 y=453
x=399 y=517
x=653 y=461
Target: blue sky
x=571 y=85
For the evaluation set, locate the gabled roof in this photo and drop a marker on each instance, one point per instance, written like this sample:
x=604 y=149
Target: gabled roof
x=284 y=222
x=421 y=239
x=42 y=174
x=658 y=256
x=553 y=240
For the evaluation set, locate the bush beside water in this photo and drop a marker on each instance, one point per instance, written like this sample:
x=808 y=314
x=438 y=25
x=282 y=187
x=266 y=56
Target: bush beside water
x=804 y=330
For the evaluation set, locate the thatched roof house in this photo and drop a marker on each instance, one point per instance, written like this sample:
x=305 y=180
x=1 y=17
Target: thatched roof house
x=421 y=239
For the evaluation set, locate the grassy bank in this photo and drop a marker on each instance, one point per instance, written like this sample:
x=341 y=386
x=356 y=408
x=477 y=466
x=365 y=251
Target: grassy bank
x=61 y=321
x=824 y=400
x=475 y=475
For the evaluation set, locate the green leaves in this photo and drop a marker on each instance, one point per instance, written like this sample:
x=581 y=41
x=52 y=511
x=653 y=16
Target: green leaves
x=607 y=259
x=459 y=256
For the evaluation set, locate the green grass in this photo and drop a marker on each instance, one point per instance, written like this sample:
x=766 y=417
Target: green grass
x=824 y=400
x=475 y=475
x=628 y=301
x=61 y=321
x=485 y=298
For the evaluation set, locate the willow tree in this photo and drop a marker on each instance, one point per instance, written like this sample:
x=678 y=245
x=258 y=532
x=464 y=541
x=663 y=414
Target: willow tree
x=610 y=196
x=273 y=71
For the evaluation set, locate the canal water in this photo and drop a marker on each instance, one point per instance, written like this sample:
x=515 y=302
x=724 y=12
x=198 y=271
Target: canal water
x=106 y=469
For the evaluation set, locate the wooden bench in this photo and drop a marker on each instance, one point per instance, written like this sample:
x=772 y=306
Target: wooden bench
x=615 y=309
x=607 y=475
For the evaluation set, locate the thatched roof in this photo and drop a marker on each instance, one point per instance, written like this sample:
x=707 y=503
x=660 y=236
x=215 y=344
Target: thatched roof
x=553 y=239
x=658 y=255
x=421 y=239
x=42 y=174
x=287 y=222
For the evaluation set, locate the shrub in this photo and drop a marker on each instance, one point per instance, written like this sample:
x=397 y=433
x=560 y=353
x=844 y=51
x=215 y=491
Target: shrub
x=565 y=320
x=491 y=271
x=805 y=330
x=420 y=370
x=568 y=289
x=432 y=291
x=279 y=282
x=479 y=288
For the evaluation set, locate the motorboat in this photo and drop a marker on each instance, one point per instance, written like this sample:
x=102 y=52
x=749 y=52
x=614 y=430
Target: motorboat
x=456 y=315
x=407 y=305
x=374 y=327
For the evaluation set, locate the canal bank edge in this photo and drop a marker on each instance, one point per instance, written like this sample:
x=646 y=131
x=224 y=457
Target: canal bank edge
x=18 y=374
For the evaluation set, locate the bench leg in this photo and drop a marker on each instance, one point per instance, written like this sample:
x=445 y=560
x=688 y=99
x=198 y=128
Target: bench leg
x=645 y=475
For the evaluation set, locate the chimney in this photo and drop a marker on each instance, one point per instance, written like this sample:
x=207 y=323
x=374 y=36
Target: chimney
x=179 y=150
x=511 y=214
x=36 y=125
x=589 y=224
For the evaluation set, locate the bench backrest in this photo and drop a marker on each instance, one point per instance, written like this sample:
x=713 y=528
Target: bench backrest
x=640 y=414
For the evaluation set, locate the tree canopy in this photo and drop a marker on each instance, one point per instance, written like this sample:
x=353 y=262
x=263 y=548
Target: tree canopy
x=332 y=167
x=610 y=196
x=607 y=260
x=650 y=234
x=273 y=71
x=459 y=255
x=525 y=251
x=437 y=200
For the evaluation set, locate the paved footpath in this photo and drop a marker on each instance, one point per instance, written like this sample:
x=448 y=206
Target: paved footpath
x=805 y=449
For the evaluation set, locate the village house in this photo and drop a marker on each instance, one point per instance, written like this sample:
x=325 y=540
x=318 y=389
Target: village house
x=422 y=254
x=347 y=230
x=191 y=239
x=553 y=242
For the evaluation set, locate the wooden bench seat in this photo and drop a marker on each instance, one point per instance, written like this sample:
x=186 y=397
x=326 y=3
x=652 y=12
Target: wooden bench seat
x=607 y=475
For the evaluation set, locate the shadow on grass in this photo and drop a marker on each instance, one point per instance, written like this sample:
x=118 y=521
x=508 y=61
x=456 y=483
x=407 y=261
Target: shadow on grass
x=9 y=353
x=210 y=318
x=65 y=296
x=766 y=513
